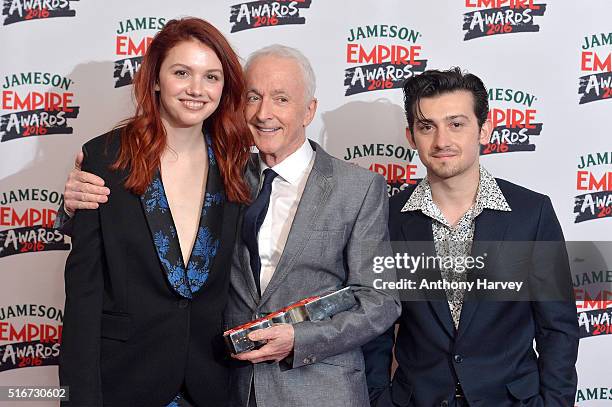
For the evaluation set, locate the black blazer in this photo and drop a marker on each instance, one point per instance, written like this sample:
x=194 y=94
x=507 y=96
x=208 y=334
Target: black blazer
x=492 y=353
x=128 y=338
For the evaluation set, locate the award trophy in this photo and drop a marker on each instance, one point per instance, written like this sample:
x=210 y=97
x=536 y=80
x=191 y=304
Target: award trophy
x=315 y=308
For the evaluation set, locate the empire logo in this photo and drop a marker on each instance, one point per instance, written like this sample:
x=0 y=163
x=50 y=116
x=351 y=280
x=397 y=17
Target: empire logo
x=36 y=112
x=514 y=121
x=597 y=202
x=500 y=17
x=31 y=344
x=132 y=40
x=255 y=14
x=597 y=84
x=17 y=11
x=29 y=229
x=380 y=64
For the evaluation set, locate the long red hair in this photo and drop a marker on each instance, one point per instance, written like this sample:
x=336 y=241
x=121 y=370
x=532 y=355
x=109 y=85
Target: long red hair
x=143 y=138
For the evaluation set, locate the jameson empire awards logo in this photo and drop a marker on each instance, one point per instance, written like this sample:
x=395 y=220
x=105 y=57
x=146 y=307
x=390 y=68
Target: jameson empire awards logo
x=596 y=63
x=381 y=57
x=26 y=222
x=594 y=302
x=16 y=11
x=133 y=37
x=36 y=111
x=596 y=203
x=254 y=14
x=514 y=121
x=33 y=333
x=497 y=17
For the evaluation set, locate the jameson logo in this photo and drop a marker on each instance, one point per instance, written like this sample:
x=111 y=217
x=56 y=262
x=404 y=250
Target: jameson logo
x=254 y=14
x=597 y=63
x=596 y=203
x=23 y=10
x=36 y=112
x=27 y=228
x=593 y=393
x=514 y=125
x=500 y=17
x=381 y=57
x=34 y=333
x=133 y=37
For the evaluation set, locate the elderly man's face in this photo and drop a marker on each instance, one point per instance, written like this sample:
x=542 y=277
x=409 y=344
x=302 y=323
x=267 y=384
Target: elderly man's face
x=277 y=111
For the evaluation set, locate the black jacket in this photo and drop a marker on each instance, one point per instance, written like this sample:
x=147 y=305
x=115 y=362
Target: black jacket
x=491 y=355
x=129 y=339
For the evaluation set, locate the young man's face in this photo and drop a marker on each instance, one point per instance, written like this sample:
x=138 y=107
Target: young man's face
x=448 y=139
x=277 y=111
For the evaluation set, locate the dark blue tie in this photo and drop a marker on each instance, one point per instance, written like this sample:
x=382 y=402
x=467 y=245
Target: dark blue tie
x=253 y=219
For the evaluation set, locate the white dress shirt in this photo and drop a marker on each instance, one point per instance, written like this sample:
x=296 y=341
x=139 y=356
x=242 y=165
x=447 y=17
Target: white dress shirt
x=287 y=189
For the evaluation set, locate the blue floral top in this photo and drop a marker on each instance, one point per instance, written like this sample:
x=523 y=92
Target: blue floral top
x=186 y=280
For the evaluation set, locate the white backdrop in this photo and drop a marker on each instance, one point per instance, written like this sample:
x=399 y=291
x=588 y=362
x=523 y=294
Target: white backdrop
x=75 y=59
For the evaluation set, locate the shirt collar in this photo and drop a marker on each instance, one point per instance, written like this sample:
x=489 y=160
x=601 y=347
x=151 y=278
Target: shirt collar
x=489 y=196
x=292 y=167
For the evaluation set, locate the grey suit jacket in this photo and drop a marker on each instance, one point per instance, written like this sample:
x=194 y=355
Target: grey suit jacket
x=343 y=209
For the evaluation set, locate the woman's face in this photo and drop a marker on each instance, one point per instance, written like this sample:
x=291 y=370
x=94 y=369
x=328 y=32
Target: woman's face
x=190 y=84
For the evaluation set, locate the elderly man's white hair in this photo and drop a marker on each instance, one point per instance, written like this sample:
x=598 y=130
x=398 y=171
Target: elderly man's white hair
x=282 y=51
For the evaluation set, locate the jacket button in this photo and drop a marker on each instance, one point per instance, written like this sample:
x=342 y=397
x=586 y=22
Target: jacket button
x=183 y=303
x=458 y=358
x=444 y=403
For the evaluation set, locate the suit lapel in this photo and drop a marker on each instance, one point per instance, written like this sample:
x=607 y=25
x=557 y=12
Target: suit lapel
x=489 y=232
x=418 y=234
x=252 y=178
x=316 y=192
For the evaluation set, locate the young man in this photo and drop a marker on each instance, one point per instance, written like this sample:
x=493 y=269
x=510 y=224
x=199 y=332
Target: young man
x=452 y=352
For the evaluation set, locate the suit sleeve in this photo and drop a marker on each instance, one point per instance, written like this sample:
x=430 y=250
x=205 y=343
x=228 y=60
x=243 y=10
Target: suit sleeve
x=377 y=310
x=378 y=355
x=80 y=351
x=557 y=331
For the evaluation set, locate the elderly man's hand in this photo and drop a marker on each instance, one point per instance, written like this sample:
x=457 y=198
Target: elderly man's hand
x=279 y=344
x=83 y=190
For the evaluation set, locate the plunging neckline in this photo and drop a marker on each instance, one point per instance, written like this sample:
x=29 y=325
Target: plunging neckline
x=186 y=277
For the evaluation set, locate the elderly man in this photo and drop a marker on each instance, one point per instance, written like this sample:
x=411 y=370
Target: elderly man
x=305 y=234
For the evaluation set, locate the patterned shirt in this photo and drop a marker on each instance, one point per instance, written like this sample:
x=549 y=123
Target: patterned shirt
x=456 y=241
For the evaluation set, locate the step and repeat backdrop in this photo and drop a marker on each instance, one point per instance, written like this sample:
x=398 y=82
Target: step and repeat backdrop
x=66 y=72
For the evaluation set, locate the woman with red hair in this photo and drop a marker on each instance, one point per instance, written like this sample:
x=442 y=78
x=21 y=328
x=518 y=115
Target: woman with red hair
x=147 y=278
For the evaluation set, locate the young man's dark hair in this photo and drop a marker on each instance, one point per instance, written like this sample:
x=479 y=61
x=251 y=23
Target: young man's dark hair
x=434 y=83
